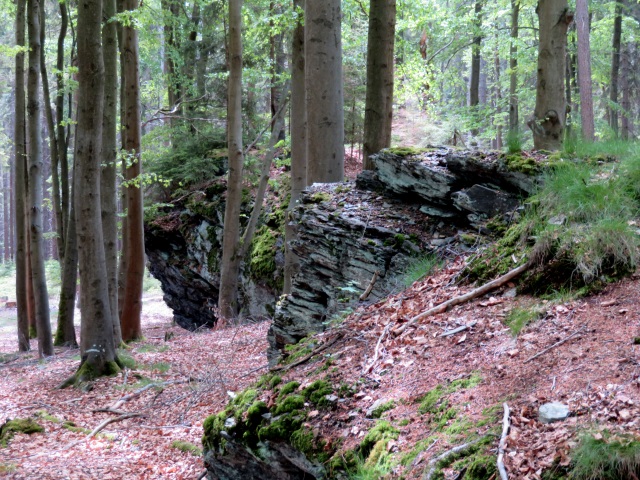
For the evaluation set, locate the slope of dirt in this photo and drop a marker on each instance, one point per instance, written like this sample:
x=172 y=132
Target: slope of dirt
x=596 y=372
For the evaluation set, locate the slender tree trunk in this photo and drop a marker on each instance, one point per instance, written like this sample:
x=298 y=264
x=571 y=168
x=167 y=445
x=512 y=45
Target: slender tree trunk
x=323 y=81
x=378 y=112
x=549 y=118
x=277 y=56
x=130 y=318
x=625 y=89
x=514 y=126
x=45 y=342
x=97 y=348
x=65 y=331
x=298 y=142
x=53 y=143
x=108 y=189
x=62 y=136
x=584 y=70
x=170 y=16
x=122 y=266
x=497 y=95
x=474 y=82
x=230 y=263
x=5 y=214
x=19 y=186
x=615 y=69
x=12 y=182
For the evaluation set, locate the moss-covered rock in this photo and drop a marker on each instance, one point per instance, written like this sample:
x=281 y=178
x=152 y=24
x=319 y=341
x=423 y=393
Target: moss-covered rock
x=18 y=425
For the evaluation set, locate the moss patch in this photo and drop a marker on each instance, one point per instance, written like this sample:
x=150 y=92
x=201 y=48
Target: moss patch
x=18 y=425
x=405 y=151
x=262 y=263
x=187 y=447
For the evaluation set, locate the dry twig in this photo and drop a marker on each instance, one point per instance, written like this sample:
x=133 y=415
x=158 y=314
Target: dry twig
x=377 y=351
x=503 y=442
x=113 y=420
x=372 y=283
x=443 y=307
x=314 y=352
x=448 y=333
x=557 y=344
x=433 y=464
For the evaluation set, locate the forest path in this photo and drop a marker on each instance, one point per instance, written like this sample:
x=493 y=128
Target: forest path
x=203 y=366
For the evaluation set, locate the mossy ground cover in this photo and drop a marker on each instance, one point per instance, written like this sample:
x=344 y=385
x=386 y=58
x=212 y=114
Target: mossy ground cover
x=18 y=425
x=579 y=229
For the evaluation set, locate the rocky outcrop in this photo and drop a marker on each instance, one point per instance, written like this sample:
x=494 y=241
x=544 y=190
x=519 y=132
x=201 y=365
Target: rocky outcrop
x=345 y=237
x=280 y=461
x=183 y=247
x=448 y=182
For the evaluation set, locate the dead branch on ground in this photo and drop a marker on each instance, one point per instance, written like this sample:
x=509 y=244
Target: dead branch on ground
x=377 y=351
x=503 y=443
x=372 y=283
x=448 y=333
x=433 y=464
x=113 y=420
x=443 y=307
x=557 y=344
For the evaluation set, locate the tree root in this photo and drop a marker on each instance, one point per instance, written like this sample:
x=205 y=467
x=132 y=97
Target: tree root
x=433 y=464
x=443 y=307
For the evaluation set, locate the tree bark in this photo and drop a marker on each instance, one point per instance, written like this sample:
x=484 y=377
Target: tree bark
x=378 y=112
x=626 y=121
x=474 y=82
x=97 y=348
x=130 y=318
x=34 y=111
x=324 y=91
x=19 y=184
x=584 y=70
x=298 y=142
x=514 y=126
x=615 y=69
x=549 y=117
x=230 y=262
x=62 y=136
x=108 y=190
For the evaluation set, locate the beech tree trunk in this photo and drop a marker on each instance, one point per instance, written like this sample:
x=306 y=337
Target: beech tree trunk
x=615 y=69
x=97 y=347
x=130 y=318
x=298 y=142
x=230 y=262
x=34 y=112
x=19 y=204
x=62 y=137
x=474 y=82
x=108 y=190
x=324 y=91
x=549 y=117
x=584 y=70
x=514 y=126
x=378 y=112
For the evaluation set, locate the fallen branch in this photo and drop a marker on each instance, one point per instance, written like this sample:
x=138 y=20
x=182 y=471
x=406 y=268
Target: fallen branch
x=377 y=351
x=443 y=307
x=557 y=344
x=140 y=391
x=433 y=464
x=503 y=442
x=113 y=420
x=372 y=283
x=314 y=352
x=448 y=333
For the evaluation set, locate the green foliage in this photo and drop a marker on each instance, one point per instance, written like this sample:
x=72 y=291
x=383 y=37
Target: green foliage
x=519 y=317
x=385 y=407
x=187 y=447
x=420 y=268
x=612 y=458
x=513 y=141
x=126 y=360
x=317 y=391
x=289 y=388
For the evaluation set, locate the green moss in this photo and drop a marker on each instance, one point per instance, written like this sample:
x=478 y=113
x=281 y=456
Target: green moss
x=275 y=380
x=317 y=391
x=481 y=467
x=396 y=241
x=288 y=388
x=516 y=162
x=6 y=468
x=43 y=414
x=404 y=422
x=289 y=404
x=262 y=263
x=436 y=404
x=320 y=197
x=408 y=458
x=72 y=427
x=283 y=427
x=187 y=447
x=18 y=425
x=405 y=151
x=382 y=430
x=378 y=411
x=32 y=332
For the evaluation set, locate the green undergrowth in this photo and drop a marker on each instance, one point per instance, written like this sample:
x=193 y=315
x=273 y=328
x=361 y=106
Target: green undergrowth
x=578 y=230
x=249 y=420
x=18 y=425
x=420 y=268
x=519 y=317
x=612 y=457
x=187 y=447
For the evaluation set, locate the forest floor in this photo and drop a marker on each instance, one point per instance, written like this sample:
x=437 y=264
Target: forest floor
x=192 y=373
x=596 y=372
